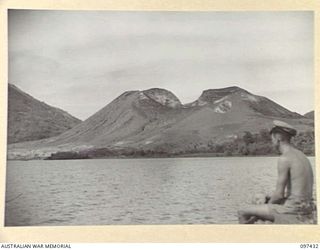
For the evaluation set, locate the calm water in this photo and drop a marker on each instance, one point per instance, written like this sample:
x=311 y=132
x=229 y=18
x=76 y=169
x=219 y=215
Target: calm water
x=134 y=191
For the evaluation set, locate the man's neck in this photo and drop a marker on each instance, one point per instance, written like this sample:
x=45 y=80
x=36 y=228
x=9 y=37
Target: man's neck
x=284 y=147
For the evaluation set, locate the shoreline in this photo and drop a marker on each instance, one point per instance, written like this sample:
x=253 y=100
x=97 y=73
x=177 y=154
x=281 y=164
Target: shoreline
x=158 y=157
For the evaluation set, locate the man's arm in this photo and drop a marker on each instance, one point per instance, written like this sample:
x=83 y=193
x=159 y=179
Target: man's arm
x=283 y=177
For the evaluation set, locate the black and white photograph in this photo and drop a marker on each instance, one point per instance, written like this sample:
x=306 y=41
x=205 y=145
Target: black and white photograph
x=160 y=118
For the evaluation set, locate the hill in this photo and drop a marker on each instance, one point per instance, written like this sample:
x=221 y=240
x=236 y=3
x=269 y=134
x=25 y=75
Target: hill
x=154 y=122
x=30 y=119
x=309 y=115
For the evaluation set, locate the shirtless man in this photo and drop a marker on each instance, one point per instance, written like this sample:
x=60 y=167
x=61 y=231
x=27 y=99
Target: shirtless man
x=292 y=197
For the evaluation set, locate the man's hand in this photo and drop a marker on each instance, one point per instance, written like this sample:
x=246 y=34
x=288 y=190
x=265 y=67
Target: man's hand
x=267 y=199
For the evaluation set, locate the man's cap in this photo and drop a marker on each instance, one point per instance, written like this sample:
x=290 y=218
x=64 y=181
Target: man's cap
x=280 y=126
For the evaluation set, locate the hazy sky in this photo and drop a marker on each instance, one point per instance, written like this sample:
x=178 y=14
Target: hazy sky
x=81 y=60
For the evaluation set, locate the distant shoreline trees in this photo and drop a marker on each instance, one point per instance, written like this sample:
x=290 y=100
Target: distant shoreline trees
x=251 y=144
x=248 y=144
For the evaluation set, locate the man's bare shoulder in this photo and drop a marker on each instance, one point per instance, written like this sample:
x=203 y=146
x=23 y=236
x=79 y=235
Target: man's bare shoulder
x=284 y=161
x=296 y=155
x=292 y=158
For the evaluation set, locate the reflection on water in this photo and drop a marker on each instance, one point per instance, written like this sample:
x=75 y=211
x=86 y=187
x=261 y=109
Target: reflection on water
x=134 y=191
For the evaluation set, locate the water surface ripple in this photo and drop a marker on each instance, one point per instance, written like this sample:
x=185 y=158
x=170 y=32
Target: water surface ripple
x=134 y=191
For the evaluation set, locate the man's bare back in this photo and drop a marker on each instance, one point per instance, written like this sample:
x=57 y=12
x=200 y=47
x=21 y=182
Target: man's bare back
x=300 y=181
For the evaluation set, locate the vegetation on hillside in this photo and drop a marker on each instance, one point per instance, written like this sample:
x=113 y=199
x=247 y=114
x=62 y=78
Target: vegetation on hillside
x=260 y=144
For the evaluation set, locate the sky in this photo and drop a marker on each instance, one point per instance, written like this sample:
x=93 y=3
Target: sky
x=80 y=61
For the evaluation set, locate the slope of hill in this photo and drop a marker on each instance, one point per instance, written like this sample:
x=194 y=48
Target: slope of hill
x=30 y=119
x=309 y=115
x=154 y=120
x=261 y=105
